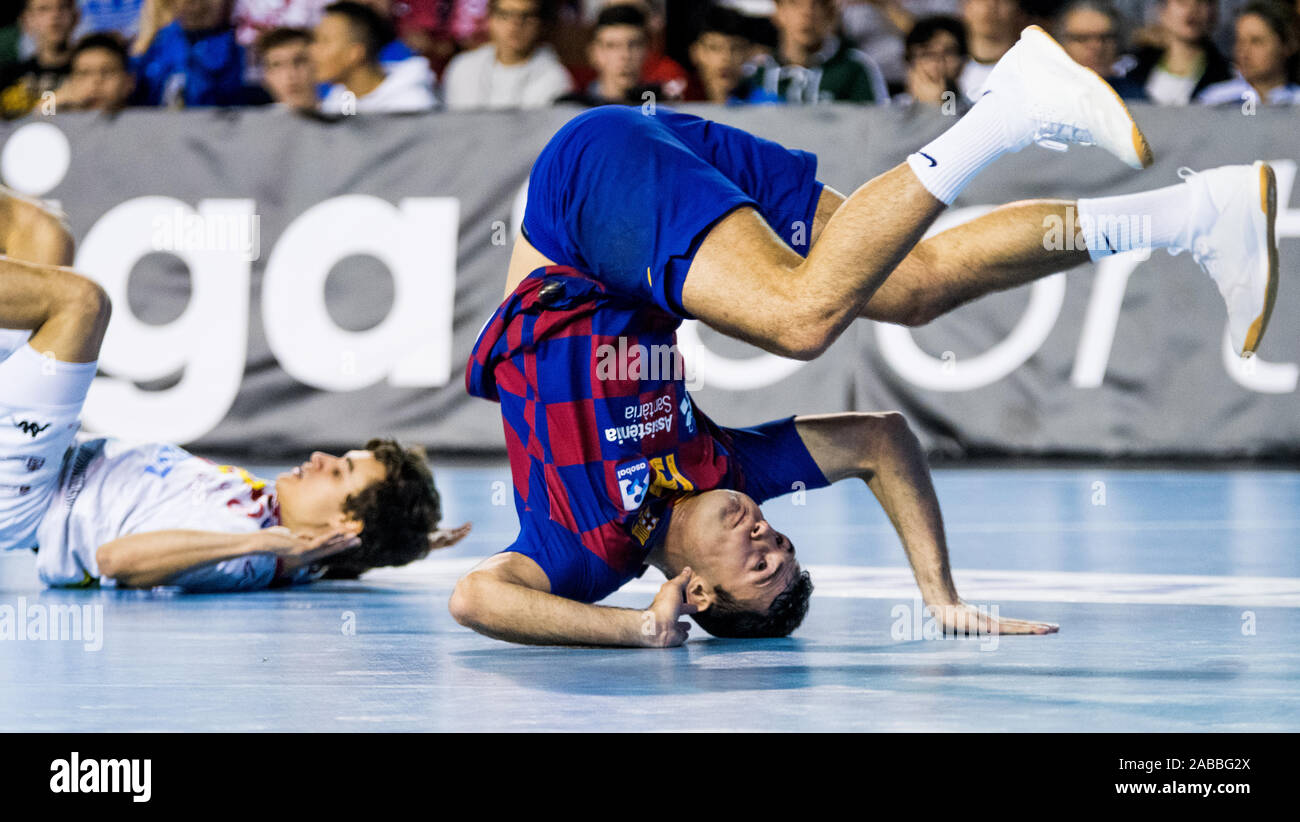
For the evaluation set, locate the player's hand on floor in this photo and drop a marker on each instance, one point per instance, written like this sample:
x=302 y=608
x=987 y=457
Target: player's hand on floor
x=967 y=619
x=447 y=537
x=660 y=626
x=297 y=551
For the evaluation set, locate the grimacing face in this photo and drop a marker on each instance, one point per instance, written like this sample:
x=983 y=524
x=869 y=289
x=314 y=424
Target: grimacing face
x=730 y=545
x=311 y=495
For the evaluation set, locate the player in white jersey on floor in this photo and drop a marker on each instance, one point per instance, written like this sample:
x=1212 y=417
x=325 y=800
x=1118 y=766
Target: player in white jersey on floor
x=102 y=510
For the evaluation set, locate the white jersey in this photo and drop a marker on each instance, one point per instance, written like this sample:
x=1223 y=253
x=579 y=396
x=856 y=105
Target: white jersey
x=110 y=488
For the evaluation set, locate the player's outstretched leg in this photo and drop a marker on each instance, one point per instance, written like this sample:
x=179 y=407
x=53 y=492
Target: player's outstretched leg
x=1226 y=217
x=745 y=282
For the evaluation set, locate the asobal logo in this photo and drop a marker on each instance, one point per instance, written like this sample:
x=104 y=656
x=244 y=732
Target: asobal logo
x=77 y=775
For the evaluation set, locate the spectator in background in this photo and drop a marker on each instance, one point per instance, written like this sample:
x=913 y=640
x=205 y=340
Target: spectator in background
x=1266 y=41
x=397 y=58
x=252 y=18
x=812 y=64
x=1089 y=30
x=438 y=29
x=49 y=24
x=121 y=17
x=718 y=55
x=1187 y=63
x=345 y=53
x=284 y=57
x=617 y=52
x=101 y=78
x=935 y=51
x=515 y=69
x=879 y=27
x=658 y=69
x=992 y=28
x=193 y=61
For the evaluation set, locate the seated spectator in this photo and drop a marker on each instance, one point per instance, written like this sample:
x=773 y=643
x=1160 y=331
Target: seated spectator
x=617 y=52
x=396 y=57
x=992 y=28
x=1089 y=30
x=345 y=53
x=439 y=29
x=193 y=61
x=101 y=78
x=49 y=25
x=812 y=64
x=284 y=57
x=120 y=17
x=935 y=51
x=1187 y=63
x=658 y=70
x=1264 y=45
x=718 y=55
x=878 y=28
x=514 y=70
x=252 y=18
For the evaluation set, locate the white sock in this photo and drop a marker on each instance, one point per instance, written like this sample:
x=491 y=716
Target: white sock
x=1149 y=219
x=951 y=160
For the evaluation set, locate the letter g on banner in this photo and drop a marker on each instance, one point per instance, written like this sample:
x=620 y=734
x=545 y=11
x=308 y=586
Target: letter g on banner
x=416 y=241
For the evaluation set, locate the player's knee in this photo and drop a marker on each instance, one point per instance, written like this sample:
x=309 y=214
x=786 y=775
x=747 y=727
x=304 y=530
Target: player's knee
x=86 y=299
x=465 y=601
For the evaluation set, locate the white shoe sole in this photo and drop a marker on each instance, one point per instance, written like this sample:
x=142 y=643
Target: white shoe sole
x=1267 y=205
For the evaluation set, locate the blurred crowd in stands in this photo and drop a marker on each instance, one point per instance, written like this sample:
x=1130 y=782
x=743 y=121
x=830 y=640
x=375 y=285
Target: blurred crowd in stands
x=356 y=56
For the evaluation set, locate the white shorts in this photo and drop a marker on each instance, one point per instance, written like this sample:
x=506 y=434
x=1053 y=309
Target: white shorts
x=40 y=413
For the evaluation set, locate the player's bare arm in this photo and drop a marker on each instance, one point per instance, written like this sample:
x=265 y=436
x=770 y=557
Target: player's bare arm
x=154 y=558
x=881 y=450
x=508 y=597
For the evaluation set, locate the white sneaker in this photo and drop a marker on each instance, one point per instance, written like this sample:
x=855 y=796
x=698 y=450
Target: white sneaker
x=1234 y=239
x=1063 y=102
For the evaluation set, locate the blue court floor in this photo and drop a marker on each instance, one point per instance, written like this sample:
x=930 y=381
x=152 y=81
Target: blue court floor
x=1178 y=596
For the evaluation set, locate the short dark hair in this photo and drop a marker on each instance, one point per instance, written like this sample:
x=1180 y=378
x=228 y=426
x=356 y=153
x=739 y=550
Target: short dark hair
x=1278 y=17
x=396 y=513
x=620 y=15
x=927 y=27
x=108 y=41
x=369 y=28
x=722 y=20
x=725 y=617
x=276 y=37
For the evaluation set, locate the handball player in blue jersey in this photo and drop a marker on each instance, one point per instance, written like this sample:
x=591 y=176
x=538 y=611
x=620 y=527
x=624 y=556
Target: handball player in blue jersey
x=636 y=221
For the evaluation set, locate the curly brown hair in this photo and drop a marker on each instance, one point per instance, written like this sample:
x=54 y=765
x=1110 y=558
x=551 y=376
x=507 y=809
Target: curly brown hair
x=396 y=513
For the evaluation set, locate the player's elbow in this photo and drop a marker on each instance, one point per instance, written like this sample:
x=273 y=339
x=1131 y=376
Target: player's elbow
x=108 y=561
x=806 y=340
x=467 y=600
x=882 y=435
